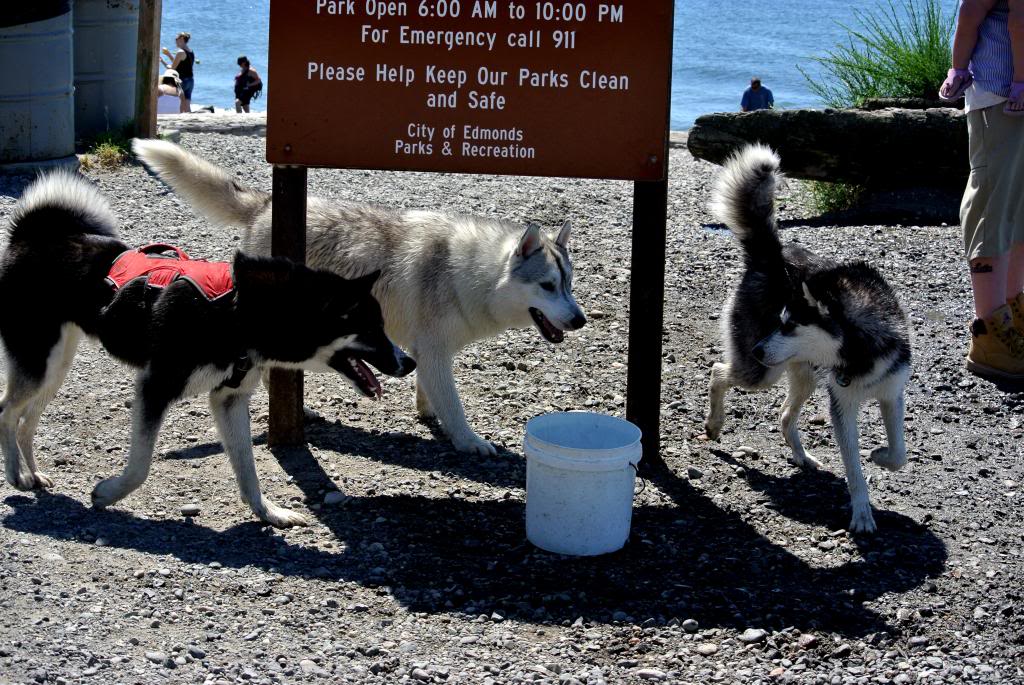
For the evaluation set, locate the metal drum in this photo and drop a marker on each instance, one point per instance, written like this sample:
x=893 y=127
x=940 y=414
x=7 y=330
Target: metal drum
x=106 y=39
x=37 y=113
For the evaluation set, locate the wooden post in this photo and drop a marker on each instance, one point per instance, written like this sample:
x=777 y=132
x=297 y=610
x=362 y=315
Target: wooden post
x=646 y=313
x=288 y=239
x=146 y=60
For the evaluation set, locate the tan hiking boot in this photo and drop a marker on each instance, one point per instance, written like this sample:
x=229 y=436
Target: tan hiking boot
x=1017 y=310
x=997 y=348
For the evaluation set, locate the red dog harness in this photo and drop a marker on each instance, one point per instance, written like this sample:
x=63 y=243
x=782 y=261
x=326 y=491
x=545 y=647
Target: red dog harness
x=212 y=279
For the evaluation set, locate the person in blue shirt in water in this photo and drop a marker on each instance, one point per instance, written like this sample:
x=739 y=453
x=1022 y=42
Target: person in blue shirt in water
x=756 y=97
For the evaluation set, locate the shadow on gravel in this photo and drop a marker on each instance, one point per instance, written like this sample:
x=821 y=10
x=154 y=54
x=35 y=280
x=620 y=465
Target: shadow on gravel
x=689 y=560
x=507 y=469
x=408 y=450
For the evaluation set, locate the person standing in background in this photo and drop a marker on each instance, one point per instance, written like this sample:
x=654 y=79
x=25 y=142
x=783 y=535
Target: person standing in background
x=248 y=85
x=992 y=210
x=756 y=97
x=183 y=61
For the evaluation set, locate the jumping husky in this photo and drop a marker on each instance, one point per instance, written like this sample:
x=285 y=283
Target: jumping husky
x=445 y=281
x=61 y=277
x=801 y=314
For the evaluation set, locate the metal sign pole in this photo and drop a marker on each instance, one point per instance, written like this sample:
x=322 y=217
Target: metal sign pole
x=646 y=313
x=288 y=239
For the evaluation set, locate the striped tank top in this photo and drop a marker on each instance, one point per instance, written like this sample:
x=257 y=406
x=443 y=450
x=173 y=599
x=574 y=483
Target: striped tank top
x=992 y=59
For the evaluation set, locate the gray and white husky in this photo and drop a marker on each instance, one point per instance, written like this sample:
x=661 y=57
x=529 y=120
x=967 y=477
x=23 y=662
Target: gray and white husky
x=797 y=313
x=446 y=281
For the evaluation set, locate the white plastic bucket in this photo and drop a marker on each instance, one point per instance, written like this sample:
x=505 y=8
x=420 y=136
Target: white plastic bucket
x=580 y=472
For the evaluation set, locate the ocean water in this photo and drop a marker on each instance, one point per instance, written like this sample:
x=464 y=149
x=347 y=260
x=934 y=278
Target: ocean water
x=718 y=46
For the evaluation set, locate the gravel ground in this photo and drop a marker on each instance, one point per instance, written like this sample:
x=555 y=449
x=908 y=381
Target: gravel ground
x=416 y=567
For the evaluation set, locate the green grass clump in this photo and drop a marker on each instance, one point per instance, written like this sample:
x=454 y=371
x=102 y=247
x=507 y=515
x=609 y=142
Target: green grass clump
x=834 y=197
x=899 y=50
x=109 y=149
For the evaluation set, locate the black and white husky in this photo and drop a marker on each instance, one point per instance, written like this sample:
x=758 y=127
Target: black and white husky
x=446 y=281
x=63 y=240
x=807 y=316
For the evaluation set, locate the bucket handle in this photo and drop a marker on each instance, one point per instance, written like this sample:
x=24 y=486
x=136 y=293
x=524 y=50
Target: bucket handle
x=643 y=481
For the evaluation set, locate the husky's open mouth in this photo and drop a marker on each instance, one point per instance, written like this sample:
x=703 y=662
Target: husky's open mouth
x=360 y=374
x=550 y=332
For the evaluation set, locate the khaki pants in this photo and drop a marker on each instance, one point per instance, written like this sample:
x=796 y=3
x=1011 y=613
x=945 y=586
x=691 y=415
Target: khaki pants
x=992 y=210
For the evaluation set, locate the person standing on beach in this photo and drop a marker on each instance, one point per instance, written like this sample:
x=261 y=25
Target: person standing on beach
x=756 y=97
x=183 y=61
x=248 y=85
x=969 y=20
x=992 y=210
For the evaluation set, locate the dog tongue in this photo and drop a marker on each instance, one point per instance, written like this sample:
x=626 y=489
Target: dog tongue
x=372 y=384
x=549 y=328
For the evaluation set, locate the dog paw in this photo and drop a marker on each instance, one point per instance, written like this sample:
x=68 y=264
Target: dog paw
x=42 y=480
x=863 y=521
x=279 y=517
x=105 y=493
x=474 y=444
x=884 y=457
x=804 y=461
x=712 y=429
x=23 y=480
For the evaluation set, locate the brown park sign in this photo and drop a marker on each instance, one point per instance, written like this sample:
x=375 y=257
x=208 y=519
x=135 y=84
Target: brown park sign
x=476 y=86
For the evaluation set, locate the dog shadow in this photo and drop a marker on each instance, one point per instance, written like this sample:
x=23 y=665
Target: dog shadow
x=506 y=469
x=813 y=497
x=688 y=558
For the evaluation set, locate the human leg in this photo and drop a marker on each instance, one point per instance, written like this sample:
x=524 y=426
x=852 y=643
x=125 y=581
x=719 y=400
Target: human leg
x=988 y=283
x=186 y=98
x=991 y=201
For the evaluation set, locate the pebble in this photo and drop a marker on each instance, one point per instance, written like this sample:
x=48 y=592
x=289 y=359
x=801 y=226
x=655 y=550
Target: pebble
x=807 y=641
x=691 y=626
x=746 y=451
x=156 y=657
x=190 y=510
x=842 y=651
x=753 y=635
x=706 y=649
x=651 y=674
x=334 y=497
x=934 y=662
x=421 y=674
x=694 y=473
x=196 y=652
x=904 y=614
x=918 y=641
x=309 y=667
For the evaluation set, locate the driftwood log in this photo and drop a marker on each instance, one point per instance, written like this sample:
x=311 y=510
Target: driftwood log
x=883 y=149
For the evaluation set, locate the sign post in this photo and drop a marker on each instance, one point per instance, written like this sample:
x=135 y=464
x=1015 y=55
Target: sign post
x=287 y=239
x=518 y=87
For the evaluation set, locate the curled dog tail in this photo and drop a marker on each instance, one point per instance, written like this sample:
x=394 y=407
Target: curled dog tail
x=744 y=200
x=61 y=203
x=212 y=191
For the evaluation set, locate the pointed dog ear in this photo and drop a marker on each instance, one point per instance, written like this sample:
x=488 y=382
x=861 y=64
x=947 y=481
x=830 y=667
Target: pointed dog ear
x=812 y=302
x=256 y=271
x=365 y=283
x=562 y=239
x=530 y=242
